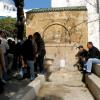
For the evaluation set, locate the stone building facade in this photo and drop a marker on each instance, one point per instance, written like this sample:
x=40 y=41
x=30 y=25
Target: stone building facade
x=93 y=16
x=7 y=9
x=62 y=29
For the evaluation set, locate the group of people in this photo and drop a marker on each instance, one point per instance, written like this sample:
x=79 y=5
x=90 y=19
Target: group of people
x=32 y=56
x=86 y=58
x=26 y=57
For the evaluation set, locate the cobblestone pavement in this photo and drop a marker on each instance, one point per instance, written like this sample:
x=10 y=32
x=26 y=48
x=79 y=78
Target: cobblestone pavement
x=64 y=85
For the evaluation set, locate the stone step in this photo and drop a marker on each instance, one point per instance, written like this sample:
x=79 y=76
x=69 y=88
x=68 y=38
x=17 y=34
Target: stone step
x=96 y=69
x=93 y=84
x=31 y=90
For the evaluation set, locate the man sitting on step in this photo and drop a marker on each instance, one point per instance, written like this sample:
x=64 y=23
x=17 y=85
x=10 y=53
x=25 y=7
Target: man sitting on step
x=93 y=57
x=82 y=56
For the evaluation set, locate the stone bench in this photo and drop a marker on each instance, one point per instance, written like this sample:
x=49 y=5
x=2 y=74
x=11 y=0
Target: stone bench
x=93 y=81
x=96 y=69
x=31 y=90
x=93 y=84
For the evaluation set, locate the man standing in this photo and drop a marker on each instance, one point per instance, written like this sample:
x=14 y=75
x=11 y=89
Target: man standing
x=93 y=57
x=29 y=55
x=40 y=52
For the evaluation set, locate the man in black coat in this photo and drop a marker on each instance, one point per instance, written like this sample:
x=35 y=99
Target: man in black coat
x=40 y=52
x=93 y=57
x=28 y=51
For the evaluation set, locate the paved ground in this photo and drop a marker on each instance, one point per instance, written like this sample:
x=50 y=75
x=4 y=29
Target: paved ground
x=12 y=87
x=64 y=85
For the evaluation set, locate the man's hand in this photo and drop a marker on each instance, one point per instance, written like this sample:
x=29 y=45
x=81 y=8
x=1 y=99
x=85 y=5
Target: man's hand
x=83 y=59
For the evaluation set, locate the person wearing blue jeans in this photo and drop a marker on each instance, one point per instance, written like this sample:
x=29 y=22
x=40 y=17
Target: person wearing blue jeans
x=90 y=62
x=31 y=66
x=93 y=57
x=29 y=55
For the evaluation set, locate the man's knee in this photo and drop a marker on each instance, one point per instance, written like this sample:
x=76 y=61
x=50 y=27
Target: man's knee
x=90 y=59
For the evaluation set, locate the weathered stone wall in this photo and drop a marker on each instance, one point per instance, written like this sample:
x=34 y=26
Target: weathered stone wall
x=62 y=31
x=93 y=16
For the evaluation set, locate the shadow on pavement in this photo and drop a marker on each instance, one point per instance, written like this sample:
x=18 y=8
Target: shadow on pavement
x=3 y=97
x=12 y=87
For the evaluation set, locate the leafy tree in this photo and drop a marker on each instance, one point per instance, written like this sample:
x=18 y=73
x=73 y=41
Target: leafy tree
x=8 y=26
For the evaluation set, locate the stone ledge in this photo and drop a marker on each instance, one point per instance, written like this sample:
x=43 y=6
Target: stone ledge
x=31 y=90
x=96 y=69
x=93 y=84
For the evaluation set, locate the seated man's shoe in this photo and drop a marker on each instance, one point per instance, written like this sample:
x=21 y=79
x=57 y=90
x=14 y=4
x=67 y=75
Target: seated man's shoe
x=84 y=71
x=88 y=73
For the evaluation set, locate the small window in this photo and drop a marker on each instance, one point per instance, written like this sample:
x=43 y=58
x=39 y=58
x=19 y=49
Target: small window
x=14 y=9
x=4 y=6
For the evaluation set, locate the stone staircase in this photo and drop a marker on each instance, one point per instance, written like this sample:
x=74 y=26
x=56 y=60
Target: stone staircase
x=93 y=81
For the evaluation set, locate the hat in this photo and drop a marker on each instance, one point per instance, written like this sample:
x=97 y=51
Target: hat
x=80 y=46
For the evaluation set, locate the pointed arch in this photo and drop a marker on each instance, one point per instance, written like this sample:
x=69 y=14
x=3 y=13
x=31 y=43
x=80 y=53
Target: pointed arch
x=67 y=33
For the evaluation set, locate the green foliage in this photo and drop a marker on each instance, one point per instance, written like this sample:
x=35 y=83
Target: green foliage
x=8 y=25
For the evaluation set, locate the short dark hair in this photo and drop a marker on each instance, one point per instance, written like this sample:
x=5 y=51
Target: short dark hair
x=30 y=37
x=90 y=43
x=37 y=34
x=80 y=46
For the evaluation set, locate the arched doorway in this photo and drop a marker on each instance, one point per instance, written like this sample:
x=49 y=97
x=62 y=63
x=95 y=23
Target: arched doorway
x=56 y=33
x=58 y=44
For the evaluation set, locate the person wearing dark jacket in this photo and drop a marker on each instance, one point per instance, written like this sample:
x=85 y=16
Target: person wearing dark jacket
x=10 y=55
x=93 y=57
x=29 y=55
x=82 y=57
x=40 y=52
